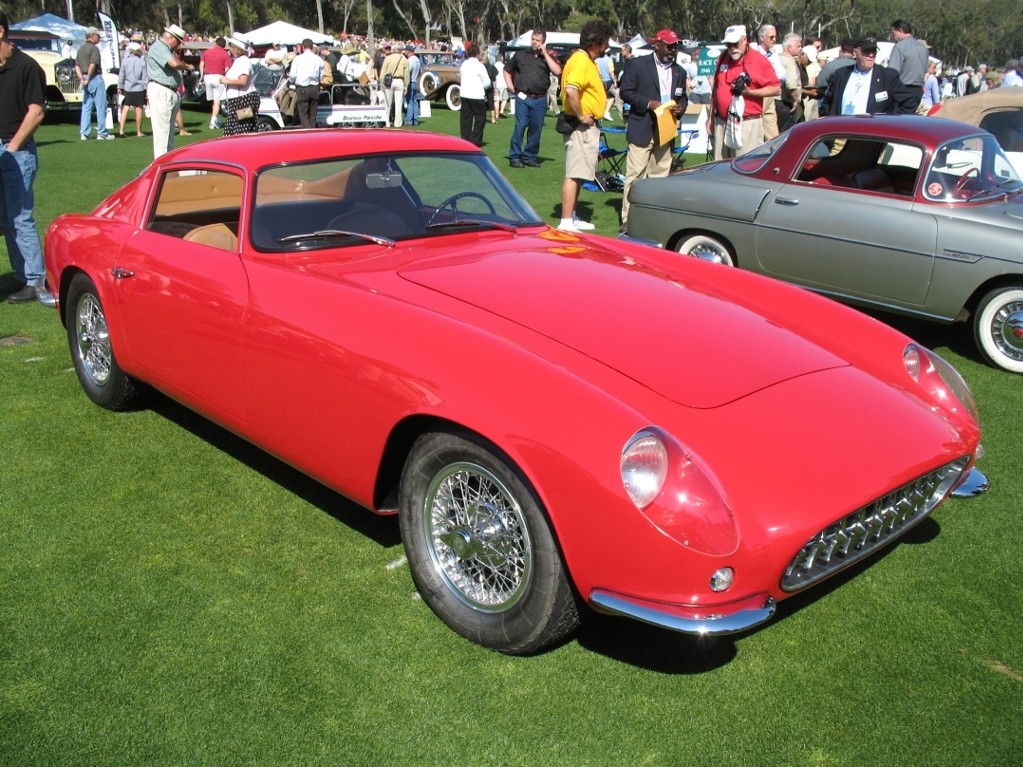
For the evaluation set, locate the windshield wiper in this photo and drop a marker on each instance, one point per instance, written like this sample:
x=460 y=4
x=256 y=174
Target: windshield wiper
x=997 y=189
x=476 y=222
x=325 y=233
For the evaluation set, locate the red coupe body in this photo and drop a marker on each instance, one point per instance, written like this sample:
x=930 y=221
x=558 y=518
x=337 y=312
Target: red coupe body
x=655 y=436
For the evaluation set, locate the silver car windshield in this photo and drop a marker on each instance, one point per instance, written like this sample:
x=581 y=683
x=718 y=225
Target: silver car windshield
x=972 y=168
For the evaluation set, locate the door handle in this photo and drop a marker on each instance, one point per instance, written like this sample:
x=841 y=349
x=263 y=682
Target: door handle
x=786 y=201
x=120 y=274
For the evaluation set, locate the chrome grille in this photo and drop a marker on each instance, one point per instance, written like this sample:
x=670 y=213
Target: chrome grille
x=870 y=528
x=67 y=79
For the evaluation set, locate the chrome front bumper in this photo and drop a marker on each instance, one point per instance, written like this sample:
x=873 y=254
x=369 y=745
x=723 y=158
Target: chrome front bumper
x=674 y=617
x=973 y=485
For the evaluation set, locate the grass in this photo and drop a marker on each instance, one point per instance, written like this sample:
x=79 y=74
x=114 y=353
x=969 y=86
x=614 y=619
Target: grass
x=171 y=596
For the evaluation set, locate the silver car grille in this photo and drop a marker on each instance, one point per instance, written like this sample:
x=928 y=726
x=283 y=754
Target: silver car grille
x=67 y=80
x=871 y=527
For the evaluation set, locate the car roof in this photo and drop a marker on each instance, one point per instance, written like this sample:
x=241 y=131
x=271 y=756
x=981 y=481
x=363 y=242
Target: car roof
x=256 y=150
x=914 y=128
x=972 y=108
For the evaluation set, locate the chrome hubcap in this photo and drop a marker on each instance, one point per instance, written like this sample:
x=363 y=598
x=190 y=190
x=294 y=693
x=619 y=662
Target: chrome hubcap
x=478 y=537
x=707 y=252
x=93 y=339
x=1007 y=330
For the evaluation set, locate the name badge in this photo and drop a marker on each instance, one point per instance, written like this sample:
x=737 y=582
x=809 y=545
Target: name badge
x=679 y=92
x=881 y=96
x=724 y=68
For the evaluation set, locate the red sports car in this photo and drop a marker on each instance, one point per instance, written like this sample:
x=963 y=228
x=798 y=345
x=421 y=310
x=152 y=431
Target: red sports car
x=558 y=420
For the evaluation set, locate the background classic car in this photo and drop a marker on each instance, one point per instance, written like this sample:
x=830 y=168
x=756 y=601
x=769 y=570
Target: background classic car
x=383 y=311
x=908 y=214
x=999 y=111
x=63 y=88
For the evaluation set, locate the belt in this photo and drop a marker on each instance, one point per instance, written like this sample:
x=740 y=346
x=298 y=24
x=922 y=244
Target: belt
x=168 y=87
x=744 y=119
x=535 y=95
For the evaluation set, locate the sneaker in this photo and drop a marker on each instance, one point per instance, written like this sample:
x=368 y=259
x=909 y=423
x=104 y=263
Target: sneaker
x=568 y=228
x=84 y=137
x=583 y=226
x=105 y=137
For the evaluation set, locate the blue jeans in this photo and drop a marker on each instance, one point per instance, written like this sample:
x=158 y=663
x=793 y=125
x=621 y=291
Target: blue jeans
x=529 y=114
x=17 y=201
x=412 y=115
x=95 y=98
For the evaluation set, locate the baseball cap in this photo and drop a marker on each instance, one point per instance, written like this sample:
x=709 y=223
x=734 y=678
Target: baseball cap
x=735 y=33
x=866 y=44
x=667 y=36
x=92 y=31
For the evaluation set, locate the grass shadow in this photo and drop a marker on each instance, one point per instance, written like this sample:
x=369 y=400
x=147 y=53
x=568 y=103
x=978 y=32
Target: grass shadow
x=383 y=530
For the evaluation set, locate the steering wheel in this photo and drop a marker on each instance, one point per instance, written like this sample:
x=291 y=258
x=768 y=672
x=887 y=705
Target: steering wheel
x=974 y=171
x=452 y=202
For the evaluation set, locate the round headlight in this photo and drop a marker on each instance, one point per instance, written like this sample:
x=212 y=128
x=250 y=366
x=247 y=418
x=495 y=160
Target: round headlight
x=940 y=379
x=722 y=579
x=644 y=468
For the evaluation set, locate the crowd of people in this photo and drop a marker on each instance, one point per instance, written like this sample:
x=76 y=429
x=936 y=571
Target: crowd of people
x=760 y=87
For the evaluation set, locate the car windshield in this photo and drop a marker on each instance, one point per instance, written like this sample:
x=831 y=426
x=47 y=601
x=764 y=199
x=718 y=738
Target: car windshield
x=970 y=168
x=382 y=198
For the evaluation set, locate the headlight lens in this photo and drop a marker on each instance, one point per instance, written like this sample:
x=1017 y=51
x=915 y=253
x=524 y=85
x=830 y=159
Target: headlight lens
x=644 y=468
x=940 y=379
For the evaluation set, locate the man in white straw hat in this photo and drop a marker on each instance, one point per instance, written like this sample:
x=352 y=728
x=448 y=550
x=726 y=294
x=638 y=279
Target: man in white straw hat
x=165 y=70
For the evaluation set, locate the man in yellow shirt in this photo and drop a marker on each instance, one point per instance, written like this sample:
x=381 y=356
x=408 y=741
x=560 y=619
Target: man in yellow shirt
x=584 y=102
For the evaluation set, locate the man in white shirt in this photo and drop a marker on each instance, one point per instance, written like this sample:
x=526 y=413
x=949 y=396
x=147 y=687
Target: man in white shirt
x=767 y=36
x=306 y=73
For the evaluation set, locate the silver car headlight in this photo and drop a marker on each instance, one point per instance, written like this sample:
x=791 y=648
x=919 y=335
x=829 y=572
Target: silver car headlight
x=940 y=380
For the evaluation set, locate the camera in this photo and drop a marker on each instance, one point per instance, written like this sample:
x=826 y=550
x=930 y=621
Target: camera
x=740 y=84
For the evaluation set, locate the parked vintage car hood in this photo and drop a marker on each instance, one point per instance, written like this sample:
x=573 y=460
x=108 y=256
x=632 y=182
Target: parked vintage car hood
x=681 y=338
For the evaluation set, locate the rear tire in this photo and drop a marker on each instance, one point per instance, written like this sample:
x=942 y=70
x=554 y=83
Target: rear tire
x=479 y=547
x=707 y=248
x=998 y=328
x=93 y=357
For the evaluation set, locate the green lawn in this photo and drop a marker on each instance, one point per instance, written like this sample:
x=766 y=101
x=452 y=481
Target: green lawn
x=171 y=596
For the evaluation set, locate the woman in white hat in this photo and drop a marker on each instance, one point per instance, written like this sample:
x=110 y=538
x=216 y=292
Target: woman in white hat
x=241 y=93
x=131 y=84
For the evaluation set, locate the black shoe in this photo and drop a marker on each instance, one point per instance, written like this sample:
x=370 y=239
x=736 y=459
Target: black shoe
x=517 y=164
x=25 y=295
x=531 y=163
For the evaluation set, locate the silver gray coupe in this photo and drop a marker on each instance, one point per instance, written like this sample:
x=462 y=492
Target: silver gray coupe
x=913 y=215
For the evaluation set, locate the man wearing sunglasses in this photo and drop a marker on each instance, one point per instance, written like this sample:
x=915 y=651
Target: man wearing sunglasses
x=866 y=87
x=648 y=82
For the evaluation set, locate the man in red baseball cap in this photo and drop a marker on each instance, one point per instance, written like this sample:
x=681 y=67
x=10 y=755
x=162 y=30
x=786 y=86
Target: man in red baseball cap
x=648 y=82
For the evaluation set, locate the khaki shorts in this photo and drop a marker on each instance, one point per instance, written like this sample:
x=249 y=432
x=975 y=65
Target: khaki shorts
x=581 y=149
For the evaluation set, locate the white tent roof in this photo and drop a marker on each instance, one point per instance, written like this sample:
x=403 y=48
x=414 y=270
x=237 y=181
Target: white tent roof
x=553 y=38
x=67 y=30
x=287 y=34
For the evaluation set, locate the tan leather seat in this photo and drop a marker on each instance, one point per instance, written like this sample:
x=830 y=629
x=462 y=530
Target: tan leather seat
x=214 y=235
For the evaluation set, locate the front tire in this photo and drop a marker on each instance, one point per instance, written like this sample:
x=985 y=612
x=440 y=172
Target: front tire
x=707 y=248
x=453 y=97
x=479 y=547
x=265 y=124
x=93 y=357
x=998 y=328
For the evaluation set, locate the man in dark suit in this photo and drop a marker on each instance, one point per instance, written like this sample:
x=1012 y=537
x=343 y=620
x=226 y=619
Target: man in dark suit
x=867 y=88
x=646 y=83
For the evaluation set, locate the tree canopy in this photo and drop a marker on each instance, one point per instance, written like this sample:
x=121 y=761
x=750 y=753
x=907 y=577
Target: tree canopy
x=958 y=33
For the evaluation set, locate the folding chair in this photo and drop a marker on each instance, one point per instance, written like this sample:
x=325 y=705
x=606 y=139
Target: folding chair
x=610 y=175
x=678 y=157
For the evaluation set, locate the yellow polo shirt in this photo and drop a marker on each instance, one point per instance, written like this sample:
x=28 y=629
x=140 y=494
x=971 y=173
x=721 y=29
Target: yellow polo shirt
x=581 y=72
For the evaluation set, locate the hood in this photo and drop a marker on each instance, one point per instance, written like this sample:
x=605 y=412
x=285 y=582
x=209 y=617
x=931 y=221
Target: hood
x=676 y=336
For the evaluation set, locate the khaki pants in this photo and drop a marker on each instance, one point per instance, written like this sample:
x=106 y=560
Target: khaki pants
x=650 y=161
x=752 y=137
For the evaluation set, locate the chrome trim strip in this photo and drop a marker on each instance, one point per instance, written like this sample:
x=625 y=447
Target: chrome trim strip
x=975 y=484
x=637 y=241
x=714 y=625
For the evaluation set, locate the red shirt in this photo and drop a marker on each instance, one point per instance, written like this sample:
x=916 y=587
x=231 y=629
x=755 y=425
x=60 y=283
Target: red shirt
x=216 y=61
x=761 y=74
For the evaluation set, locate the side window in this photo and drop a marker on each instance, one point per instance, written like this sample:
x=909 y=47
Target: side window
x=200 y=206
x=865 y=164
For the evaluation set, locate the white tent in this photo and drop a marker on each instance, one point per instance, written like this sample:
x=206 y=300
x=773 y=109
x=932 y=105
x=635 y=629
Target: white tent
x=553 y=38
x=67 y=30
x=285 y=33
